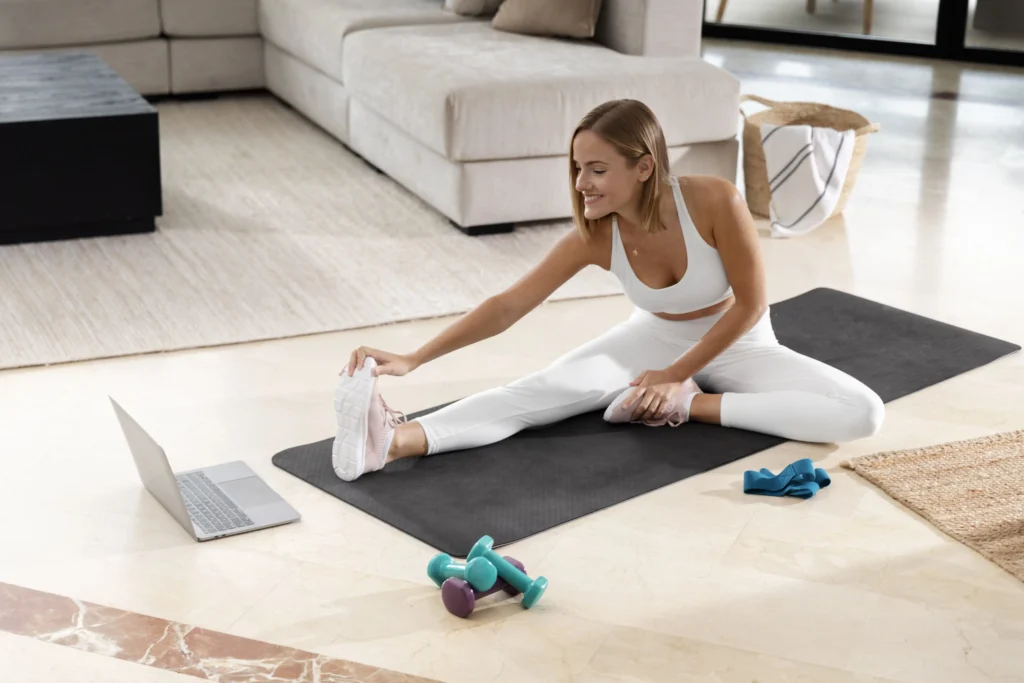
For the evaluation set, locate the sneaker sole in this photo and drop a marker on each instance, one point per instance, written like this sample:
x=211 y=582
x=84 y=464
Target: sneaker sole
x=614 y=406
x=351 y=413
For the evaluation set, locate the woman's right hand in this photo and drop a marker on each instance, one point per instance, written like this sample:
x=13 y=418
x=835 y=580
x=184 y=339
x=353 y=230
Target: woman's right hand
x=387 y=363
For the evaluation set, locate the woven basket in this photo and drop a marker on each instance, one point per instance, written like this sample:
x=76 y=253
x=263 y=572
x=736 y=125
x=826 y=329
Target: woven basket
x=755 y=170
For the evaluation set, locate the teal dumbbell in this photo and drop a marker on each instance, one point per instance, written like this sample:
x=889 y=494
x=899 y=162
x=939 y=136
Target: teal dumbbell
x=531 y=589
x=478 y=573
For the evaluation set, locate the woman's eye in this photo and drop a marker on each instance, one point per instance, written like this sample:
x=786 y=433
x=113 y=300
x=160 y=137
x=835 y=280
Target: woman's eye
x=599 y=172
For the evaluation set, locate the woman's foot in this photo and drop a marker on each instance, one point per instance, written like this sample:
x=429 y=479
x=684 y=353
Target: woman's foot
x=675 y=413
x=366 y=424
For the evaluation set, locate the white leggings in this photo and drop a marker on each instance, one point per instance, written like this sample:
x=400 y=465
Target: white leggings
x=765 y=387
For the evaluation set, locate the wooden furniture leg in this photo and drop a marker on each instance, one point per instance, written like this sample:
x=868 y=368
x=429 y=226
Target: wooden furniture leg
x=811 y=6
x=721 y=10
x=869 y=10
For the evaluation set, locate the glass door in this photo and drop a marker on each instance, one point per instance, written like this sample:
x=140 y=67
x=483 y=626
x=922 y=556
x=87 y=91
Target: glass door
x=990 y=31
x=995 y=25
x=912 y=21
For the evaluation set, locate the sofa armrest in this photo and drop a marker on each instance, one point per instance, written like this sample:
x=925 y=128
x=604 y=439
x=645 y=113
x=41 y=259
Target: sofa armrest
x=652 y=28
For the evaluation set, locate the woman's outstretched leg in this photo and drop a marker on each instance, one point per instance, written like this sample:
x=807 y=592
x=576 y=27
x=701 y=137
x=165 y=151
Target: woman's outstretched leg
x=585 y=379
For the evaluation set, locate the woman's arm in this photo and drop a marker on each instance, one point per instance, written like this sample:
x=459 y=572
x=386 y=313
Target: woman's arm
x=737 y=243
x=498 y=313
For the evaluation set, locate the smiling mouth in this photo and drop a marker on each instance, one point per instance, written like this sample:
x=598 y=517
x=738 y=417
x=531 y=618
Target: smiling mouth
x=592 y=198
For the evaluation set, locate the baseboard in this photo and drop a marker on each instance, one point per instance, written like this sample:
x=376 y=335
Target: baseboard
x=479 y=230
x=210 y=95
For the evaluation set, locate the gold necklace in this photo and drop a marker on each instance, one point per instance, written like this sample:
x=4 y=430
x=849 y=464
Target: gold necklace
x=641 y=244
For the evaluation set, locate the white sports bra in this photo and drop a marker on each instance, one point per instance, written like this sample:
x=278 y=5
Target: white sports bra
x=703 y=284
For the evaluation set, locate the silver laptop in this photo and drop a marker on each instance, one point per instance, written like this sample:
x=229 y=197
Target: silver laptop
x=211 y=502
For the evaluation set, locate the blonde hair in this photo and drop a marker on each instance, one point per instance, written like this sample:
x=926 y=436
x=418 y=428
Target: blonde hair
x=633 y=129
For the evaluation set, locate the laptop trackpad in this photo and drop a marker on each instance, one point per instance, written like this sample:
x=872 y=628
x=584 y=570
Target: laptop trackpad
x=249 y=492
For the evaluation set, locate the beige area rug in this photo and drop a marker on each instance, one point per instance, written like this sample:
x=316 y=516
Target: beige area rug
x=971 y=490
x=271 y=229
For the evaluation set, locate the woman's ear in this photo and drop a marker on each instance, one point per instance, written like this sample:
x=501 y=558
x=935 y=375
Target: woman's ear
x=646 y=167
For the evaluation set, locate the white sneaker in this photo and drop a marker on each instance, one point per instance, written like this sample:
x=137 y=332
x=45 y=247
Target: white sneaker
x=675 y=412
x=365 y=424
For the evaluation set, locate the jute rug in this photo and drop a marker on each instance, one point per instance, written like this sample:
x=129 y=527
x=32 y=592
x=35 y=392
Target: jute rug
x=971 y=490
x=271 y=229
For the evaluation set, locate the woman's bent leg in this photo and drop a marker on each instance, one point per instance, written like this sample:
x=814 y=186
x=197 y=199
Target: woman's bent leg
x=771 y=389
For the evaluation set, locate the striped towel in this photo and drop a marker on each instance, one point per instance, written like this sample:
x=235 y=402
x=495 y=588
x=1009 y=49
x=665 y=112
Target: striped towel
x=806 y=171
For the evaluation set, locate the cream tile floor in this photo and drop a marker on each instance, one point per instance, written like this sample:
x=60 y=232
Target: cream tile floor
x=694 y=582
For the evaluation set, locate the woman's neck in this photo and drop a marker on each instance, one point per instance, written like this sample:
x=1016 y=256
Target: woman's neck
x=630 y=215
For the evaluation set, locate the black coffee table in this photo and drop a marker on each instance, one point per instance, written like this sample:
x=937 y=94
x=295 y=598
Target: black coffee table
x=79 y=151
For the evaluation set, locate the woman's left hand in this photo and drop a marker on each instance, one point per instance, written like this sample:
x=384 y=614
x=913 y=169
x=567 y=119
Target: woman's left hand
x=654 y=388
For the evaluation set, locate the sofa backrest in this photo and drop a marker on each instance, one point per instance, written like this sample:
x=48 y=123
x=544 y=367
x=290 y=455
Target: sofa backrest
x=652 y=28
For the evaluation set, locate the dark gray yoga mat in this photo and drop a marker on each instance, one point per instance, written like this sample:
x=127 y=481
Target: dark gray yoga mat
x=541 y=478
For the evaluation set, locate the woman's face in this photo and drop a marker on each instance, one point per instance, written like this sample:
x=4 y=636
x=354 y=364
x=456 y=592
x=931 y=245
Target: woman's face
x=603 y=176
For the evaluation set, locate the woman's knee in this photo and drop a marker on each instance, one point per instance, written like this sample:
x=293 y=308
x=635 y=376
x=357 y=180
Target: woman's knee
x=866 y=414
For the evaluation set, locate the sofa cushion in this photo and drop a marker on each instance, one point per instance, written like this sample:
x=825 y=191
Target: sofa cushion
x=46 y=23
x=567 y=18
x=472 y=93
x=313 y=30
x=200 y=18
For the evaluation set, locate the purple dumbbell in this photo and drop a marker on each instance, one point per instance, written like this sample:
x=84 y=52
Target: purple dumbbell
x=460 y=598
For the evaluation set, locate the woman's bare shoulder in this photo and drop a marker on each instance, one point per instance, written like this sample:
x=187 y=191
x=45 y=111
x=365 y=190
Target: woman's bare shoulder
x=706 y=190
x=706 y=198
x=599 y=243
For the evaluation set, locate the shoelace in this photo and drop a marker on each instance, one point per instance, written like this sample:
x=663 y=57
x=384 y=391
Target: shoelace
x=674 y=420
x=392 y=417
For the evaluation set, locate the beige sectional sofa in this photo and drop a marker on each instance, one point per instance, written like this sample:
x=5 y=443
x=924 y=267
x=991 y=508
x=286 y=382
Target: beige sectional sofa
x=161 y=47
x=474 y=120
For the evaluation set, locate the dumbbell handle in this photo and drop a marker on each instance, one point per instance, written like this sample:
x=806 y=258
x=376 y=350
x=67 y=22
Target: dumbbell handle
x=442 y=566
x=508 y=571
x=498 y=586
x=501 y=584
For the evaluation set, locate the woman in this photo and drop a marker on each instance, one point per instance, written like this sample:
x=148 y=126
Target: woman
x=699 y=345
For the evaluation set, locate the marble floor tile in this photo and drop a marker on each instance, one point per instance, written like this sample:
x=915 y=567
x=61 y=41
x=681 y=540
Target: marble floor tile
x=171 y=646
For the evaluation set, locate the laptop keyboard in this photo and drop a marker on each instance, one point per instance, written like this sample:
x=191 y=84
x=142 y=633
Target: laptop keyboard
x=209 y=507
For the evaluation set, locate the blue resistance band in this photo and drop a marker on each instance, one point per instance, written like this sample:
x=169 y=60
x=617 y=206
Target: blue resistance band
x=800 y=480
